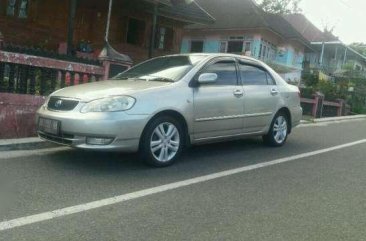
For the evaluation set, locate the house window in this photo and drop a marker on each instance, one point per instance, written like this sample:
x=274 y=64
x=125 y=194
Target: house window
x=235 y=47
x=223 y=47
x=136 y=31
x=196 y=46
x=23 y=9
x=260 y=51
x=247 y=46
x=161 y=38
x=10 y=11
x=164 y=38
x=20 y=7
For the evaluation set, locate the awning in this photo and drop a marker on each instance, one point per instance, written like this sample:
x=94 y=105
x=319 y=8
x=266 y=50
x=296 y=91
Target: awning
x=182 y=10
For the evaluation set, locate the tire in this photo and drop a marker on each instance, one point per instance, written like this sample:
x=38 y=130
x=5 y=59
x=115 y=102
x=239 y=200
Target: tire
x=162 y=141
x=278 y=132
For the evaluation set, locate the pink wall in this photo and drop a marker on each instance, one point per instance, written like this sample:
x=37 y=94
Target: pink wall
x=17 y=115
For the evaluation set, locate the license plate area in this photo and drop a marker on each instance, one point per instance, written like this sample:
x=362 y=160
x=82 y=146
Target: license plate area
x=49 y=126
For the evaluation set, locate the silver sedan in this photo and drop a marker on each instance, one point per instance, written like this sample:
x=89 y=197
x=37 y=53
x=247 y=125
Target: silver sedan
x=167 y=103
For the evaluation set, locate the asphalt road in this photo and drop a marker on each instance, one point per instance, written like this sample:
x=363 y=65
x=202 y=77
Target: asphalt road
x=317 y=197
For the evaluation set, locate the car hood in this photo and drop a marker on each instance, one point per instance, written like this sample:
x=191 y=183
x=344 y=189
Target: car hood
x=96 y=90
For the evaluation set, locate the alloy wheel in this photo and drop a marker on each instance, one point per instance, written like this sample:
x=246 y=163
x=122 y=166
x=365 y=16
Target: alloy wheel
x=280 y=129
x=165 y=142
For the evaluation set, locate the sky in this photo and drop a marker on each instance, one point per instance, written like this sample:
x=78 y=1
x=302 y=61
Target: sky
x=346 y=16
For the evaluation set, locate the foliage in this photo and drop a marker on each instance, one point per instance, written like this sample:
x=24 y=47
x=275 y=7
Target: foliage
x=339 y=89
x=359 y=47
x=281 y=6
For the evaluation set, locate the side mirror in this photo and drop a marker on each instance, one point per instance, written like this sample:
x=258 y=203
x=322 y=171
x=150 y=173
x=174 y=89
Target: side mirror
x=207 y=78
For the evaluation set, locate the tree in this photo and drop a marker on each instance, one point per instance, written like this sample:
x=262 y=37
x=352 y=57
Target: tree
x=359 y=47
x=280 y=6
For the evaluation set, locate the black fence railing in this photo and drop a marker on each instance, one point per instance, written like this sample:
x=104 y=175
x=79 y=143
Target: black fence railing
x=26 y=79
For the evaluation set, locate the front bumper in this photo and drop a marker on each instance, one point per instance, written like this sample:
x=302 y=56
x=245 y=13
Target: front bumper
x=75 y=127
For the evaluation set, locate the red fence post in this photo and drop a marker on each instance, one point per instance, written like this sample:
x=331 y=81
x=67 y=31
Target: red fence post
x=341 y=108
x=315 y=106
x=318 y=106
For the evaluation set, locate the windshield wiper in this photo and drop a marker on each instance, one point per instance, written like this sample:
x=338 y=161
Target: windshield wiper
x=161 y=79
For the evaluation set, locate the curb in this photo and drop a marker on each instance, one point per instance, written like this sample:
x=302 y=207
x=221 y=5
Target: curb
x=342 y=118
x=24 y=144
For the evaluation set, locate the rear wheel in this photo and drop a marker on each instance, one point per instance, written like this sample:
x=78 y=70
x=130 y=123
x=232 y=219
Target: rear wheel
x=278 y=132
x=162 y=142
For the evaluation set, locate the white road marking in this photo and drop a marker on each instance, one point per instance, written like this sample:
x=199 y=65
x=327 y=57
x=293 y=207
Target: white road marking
x=10 y=224
x=4 y=155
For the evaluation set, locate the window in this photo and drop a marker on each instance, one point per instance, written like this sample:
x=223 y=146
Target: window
x=226 y=72
x=235 y=47
x=196 y=46
x=10 y=11
x=164 y=38
x=171 y=68
x=252 y=75
x=223 y=47
x=136 y=31
x=23 y=9
x=19 y=8
x=247 y=46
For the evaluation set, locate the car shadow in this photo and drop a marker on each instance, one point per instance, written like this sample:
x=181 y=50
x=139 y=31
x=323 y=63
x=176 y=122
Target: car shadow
x=200 y=156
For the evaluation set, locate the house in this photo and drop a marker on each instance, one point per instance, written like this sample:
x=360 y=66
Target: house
x=79 y=25
x=48 y=44
x=328 y=54
x=242 y=27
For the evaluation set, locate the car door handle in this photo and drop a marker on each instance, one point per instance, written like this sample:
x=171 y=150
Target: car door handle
x=238 y=93
x=274 y=91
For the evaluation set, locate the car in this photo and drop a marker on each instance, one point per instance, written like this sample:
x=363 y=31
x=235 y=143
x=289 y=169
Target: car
x=161 y=106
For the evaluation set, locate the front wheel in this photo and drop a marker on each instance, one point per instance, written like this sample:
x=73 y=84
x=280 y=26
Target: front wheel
x=278 y=131
x=162 y=142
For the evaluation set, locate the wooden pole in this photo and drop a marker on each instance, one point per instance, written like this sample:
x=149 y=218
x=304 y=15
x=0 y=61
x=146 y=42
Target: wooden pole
x=70 y=25
x=106 y=37
x=153 y=34
x=322 y=54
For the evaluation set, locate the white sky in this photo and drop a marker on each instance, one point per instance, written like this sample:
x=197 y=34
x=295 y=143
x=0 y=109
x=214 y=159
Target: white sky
x=347 y=16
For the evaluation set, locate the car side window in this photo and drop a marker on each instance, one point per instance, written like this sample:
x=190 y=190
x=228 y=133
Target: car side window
x=226 y=72
x=252 y=75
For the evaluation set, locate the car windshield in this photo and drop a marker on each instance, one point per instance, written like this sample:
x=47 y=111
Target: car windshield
x=169 y=69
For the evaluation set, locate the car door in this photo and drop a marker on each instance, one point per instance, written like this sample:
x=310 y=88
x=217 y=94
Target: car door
x=218 y=106
x=261 y=97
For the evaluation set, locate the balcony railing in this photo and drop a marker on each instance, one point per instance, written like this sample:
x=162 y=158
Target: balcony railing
x=39 y=75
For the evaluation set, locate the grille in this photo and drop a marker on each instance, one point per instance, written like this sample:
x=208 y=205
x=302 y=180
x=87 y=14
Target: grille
x=60 y=104
x=64 y=139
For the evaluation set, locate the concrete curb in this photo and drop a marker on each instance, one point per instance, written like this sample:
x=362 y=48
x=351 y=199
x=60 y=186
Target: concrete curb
x=341 y=118
x=24 y=144
x=332 y=119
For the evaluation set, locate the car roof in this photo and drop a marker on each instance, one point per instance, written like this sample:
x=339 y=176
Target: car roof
x=220 y=55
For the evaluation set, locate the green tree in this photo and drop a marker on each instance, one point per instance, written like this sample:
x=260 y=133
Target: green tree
x=359 y=47
x=280 y=6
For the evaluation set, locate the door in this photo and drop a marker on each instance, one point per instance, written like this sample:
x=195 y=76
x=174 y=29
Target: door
x=261 y=97
x=218 y=107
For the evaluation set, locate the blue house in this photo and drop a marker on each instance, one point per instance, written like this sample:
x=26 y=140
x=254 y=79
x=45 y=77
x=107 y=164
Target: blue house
x=242 y=27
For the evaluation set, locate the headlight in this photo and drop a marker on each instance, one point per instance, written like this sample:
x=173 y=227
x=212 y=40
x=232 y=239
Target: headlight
x=110 y=104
